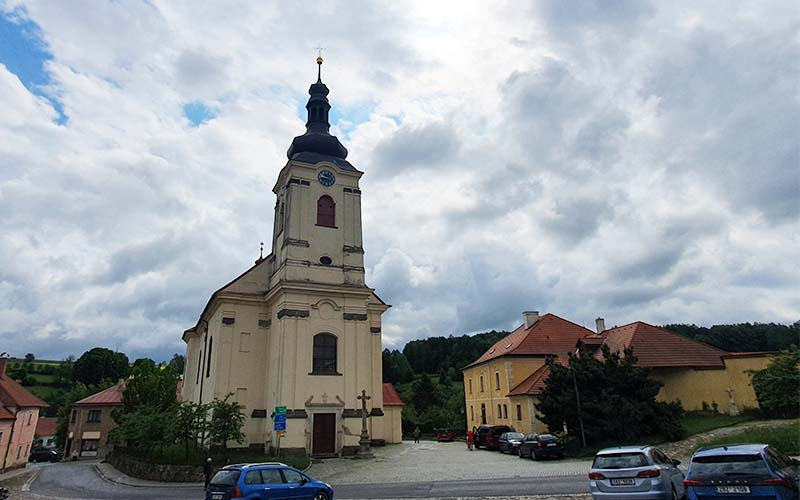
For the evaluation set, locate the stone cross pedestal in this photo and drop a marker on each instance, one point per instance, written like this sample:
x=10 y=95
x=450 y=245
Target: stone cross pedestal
x=364 y=443
x=733 y=410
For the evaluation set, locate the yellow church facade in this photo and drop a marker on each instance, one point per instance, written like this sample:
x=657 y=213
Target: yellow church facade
x=502 y=387
x=300 y=329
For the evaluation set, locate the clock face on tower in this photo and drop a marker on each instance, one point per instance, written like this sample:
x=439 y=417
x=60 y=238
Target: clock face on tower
x=326 y=178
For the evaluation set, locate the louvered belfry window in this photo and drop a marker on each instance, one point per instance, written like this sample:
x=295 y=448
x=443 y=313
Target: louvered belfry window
x=326 y=211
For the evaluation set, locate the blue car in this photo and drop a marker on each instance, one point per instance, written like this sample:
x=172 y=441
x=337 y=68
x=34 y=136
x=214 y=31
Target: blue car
x=266 y=481
x=742 y=471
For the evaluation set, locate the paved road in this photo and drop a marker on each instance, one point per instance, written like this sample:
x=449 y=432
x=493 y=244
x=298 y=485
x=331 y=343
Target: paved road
x=80 y=480
x=473 y=488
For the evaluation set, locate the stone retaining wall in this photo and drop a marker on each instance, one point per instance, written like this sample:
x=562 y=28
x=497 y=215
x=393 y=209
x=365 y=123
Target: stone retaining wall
x=155 y=472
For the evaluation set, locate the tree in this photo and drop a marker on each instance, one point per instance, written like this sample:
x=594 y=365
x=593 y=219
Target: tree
x=150 y=385
x=618 y=399
x=29 y=357
x=98 y=364
x=177 y=363
x=145 y=429
x=777 y=385
x=191 y=425
x=226 y=423
x=425 y=393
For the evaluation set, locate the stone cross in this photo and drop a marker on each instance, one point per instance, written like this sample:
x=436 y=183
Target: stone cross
x=364 y=442
x=733 y=410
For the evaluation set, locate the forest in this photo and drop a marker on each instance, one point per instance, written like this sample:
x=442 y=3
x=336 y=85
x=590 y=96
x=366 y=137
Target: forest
x=427 y=372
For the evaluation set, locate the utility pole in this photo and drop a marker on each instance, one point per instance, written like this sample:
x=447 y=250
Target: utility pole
x=578 y=400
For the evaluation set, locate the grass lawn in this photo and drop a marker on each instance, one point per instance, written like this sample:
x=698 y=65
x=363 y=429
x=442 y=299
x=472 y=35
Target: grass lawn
x=45 y=392
x=785 y=438
x=697 y=422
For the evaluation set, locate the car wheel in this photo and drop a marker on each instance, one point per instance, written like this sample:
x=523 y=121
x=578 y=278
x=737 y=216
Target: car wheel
x=321 y=495
x=519 y=452
x=533 y=455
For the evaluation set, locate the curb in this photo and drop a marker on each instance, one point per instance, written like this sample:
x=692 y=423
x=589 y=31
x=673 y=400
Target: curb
x=155 y=484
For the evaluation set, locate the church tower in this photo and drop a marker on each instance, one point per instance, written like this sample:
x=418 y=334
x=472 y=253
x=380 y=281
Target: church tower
x=300 y=329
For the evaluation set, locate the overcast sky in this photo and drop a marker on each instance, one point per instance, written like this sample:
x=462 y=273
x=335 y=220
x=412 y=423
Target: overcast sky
x=628 y=160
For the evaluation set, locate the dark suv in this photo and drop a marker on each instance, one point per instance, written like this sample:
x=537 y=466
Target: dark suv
x=489 y=436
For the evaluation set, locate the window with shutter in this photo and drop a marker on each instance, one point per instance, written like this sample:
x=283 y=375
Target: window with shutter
x=326 y=211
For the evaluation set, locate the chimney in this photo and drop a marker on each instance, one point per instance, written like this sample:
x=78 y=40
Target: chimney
x=3 y=363
x=531 y=317
x=600 y=323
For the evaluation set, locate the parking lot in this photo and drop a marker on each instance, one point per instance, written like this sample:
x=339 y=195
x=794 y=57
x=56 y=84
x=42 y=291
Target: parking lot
x=432 y=461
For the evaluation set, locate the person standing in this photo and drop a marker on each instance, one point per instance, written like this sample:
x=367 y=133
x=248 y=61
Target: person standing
x=416 y=434
x=470 y=440
x=207 y=469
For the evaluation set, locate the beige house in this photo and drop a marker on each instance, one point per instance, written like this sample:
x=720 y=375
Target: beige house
x=90 y=423
x=300 y=328
x=19 y=414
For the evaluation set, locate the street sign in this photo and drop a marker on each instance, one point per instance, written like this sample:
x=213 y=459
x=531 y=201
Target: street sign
x=280 y=410
x=280 y=425
x=280 y=419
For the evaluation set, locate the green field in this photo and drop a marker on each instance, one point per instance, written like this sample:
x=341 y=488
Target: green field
x=785 y=437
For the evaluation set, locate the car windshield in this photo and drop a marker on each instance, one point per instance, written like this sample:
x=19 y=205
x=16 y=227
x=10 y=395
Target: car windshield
x=515 y=435
x=225 y=478
x=728 y=466
x=620 y=461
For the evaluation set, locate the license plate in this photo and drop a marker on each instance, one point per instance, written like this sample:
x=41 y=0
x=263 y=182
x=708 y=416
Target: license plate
x=623 y=482
x=551 y=444
x=733 y=489
x=217 y=496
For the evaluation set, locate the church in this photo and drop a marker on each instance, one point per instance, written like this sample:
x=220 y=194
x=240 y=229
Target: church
x=301 y=329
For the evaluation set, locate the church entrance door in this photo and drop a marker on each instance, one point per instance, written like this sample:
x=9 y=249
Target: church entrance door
x=324 y=438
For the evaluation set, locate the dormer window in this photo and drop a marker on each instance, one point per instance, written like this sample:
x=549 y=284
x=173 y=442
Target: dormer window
x=326 y=211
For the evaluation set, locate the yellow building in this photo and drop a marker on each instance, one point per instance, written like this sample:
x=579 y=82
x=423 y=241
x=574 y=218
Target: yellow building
x=503 y=385
x=301 y=329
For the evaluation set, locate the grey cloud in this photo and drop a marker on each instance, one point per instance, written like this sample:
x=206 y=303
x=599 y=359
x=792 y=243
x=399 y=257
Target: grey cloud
x=416 y=147
x=656 y=263
x=576 y=219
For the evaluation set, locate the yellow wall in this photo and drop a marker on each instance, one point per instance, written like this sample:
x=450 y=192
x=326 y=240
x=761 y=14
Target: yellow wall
x=510 y=371
x=692 y=387
x=529 y=422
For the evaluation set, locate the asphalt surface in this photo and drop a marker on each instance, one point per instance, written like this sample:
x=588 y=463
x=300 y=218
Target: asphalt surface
x=472 y=488
x=80 y=480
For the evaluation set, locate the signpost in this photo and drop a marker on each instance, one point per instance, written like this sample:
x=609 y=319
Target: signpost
x=279 y=425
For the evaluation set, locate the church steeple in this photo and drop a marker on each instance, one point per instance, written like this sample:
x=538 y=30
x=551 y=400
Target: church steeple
x=317 y=138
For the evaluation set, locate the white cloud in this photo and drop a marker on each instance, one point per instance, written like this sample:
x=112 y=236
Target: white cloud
x=635 y=162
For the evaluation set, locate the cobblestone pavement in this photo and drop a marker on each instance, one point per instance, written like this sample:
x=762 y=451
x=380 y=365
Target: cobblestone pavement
x=432 y=461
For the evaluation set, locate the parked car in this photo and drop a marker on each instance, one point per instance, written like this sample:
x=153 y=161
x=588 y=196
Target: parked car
x=509 y=442
x=445 y=435
x=44 y=455
x=266 y=480
x=746 y=471
x=489 y=436
x=538 y=446
x=635 y=472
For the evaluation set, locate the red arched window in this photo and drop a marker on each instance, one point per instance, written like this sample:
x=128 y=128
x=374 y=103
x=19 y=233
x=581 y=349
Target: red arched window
x=326 y=211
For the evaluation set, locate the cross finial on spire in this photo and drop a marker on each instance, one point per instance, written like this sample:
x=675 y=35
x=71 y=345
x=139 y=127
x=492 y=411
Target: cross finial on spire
x=319 y=63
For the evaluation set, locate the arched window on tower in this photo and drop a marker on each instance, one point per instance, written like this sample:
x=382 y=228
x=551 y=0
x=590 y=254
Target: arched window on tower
x=324 y=354
x=326 y=211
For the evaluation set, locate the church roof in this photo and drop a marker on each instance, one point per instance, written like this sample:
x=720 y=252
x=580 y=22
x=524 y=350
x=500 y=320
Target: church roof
x=658 y=348
x=317 y=139
x=108 y=397
x=390 y=396
x=13 y=394
x=550 y=335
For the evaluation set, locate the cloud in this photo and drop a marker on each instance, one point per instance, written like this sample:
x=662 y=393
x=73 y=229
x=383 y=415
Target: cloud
x=635 y=161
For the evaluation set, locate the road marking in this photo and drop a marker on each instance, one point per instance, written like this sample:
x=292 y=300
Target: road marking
x=29 y=482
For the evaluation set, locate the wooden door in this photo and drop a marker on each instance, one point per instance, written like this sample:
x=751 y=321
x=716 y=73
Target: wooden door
x=324 y=438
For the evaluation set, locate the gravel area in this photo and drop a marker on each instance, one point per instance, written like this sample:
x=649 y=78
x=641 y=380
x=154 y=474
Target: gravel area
x=432 y=461
x=684 y=449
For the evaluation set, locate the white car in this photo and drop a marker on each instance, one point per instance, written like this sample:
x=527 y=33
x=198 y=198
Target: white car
x=635 y=472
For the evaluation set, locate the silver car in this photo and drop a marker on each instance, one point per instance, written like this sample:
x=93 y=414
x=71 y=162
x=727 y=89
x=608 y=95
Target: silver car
x=635 y=472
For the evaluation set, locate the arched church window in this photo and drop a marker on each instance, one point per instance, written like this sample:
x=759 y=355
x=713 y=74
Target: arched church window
x=326 y=211
x=324 y=354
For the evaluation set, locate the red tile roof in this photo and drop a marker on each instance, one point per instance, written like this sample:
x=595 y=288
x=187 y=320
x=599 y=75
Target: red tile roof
x=390 y=396
x=46 y=426
x=551 y=335
x=108 y=397
x=656 y=348
x=13 y=394
x=534 y=384
x=5 y=414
